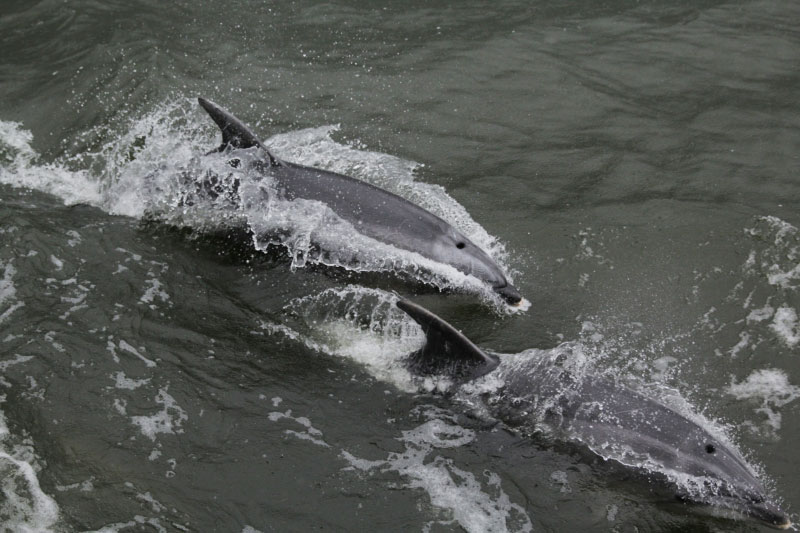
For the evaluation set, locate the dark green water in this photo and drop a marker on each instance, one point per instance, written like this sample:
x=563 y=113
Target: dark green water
x=634 y=166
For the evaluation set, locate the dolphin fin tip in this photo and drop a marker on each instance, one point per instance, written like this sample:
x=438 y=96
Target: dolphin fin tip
x=206 y=104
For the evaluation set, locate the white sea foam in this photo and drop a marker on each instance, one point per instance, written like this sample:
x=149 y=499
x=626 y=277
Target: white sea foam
x=82 y=486
x=17 y=360
x=476 y=505
x=760 y=314
x=785 y=326
x=24 y=506
x=19 y=167
x=586 y=252
x=169 y=420
x=310 y=433
x=121 y=381
x=153 y=291
x=770 y=388
x=130 y=349
x=779 y=261
x=744 y=341
x=157 y=506
x=8 y=292
x=662 y=368
x=74 y=238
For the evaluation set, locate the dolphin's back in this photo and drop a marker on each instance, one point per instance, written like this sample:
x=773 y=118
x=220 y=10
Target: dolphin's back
x=387 y=217
x=373 y=211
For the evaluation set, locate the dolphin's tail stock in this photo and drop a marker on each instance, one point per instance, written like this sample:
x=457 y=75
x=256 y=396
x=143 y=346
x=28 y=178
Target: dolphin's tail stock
x=234 y=132
x=446 y=350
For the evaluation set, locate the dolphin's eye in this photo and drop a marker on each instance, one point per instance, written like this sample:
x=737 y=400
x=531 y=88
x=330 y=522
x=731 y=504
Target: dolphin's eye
x=710 y=448
x=460 y=245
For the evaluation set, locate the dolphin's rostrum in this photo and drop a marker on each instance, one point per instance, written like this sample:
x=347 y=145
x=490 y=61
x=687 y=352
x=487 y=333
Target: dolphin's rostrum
x=603 y=418
x=376 y=213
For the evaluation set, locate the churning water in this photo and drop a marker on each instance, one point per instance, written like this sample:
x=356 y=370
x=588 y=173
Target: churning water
x=632 y=165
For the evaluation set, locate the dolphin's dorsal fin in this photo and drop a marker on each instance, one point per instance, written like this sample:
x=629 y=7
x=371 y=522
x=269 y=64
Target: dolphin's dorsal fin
x=446 y=350
x=234 y=133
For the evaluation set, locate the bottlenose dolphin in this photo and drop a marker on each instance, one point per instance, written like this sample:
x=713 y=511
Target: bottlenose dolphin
x=376 y=213
x=545 y=395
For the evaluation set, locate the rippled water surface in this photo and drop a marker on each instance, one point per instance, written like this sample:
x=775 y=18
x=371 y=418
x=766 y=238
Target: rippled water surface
x=632 y=165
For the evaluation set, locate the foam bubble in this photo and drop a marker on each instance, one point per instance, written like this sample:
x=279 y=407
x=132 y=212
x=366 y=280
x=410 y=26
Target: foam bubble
x=760 y=314
x=121 y=381
x=8 y=292
x=19 y=167
x=474 y=504
x=771 y=388
x=153 y=291
x=24 y=506
x=310 y=433
x=130 y=349
x=785 y=326
x=780 y=260
x=168 y=420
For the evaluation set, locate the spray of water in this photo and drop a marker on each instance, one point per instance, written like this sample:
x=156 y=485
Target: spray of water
x=154 y=168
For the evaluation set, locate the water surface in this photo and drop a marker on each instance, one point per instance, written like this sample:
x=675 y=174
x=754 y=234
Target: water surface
x=634 y=165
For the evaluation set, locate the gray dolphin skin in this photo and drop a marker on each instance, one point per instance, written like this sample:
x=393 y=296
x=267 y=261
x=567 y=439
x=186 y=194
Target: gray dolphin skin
x=545 y=395
x=376 y=213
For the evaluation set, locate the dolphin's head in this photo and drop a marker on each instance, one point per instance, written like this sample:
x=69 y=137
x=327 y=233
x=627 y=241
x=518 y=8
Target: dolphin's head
x=456 y=249
x=729 y=489
x=666 y=443
x=727 y=485
x=704 y=467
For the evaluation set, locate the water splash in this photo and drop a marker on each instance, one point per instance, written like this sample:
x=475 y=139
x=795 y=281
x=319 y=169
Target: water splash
x=24 y=506
x=534 y=391
x=474 y=504
x=361 y=324
x=151 y=167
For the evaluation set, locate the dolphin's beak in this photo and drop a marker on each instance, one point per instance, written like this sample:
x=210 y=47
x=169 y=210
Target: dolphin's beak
x=509 y=294
x=771 y=514
x=763 y=511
